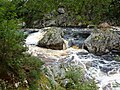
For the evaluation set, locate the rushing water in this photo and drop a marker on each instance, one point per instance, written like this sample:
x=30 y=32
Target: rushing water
x=106 y=73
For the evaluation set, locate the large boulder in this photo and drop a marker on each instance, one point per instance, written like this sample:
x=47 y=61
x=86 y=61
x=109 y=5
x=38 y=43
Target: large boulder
x=102 y=41
x=53 y=39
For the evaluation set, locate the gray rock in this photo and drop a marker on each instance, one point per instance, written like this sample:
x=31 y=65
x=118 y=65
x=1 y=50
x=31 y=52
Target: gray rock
x=61 y=10
x=104 y=25
x=53 y=39
x=102 y=41
x=61 y=20
x=50 y=23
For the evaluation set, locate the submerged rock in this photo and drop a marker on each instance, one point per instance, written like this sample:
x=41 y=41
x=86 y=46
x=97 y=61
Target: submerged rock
x=53 y=39
x=102 y=41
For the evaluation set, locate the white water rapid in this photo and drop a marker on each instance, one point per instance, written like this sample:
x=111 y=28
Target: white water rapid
x=105 y=73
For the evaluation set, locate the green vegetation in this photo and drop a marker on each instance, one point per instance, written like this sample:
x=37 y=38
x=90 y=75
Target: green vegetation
x=77 y=81
x=114 y=12
x=16 y=66
x=76 y=11
x=117 y=58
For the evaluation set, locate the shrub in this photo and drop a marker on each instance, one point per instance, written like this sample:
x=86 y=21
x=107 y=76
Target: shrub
x=16 y=66
x=78 y=82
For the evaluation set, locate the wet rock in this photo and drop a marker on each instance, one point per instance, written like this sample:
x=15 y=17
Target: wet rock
x=106 y=69
x=101 y=61
x=102 y=41
x=28 y=31
x=82 y=53
x=53 y=39
x=108 y=57
x=116 y=51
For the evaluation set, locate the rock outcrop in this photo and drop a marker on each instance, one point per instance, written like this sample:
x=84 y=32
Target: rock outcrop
x=53 y=39
x=102 y=41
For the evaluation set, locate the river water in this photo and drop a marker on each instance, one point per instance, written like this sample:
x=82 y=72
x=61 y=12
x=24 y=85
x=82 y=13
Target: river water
x=106 y=73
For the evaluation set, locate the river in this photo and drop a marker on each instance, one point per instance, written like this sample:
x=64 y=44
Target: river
x=105 y=72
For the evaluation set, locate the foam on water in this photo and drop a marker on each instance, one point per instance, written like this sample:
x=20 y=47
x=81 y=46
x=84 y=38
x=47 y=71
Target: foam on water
x=33 y=38
x=105 y=73
x=103 y=79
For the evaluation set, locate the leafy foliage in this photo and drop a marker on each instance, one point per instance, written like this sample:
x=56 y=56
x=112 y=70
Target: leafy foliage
x=114 y=12
x=16 y=66
x=77 y=81
x=84 y=11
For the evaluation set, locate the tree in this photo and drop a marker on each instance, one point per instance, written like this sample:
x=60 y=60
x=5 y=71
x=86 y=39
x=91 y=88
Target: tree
x=16 y=66
x=114 y=12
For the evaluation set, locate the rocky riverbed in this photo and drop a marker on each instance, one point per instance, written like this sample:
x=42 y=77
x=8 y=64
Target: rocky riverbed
x=105 y=72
